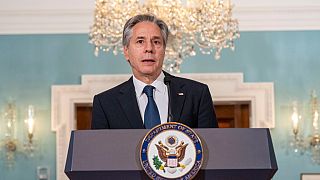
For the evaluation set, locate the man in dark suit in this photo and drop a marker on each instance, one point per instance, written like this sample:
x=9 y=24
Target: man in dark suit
x=130 y=106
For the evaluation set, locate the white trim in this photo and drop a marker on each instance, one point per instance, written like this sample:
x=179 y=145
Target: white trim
x=285 y=18
x=225 y=87
x=45 y=21
x=42 y=20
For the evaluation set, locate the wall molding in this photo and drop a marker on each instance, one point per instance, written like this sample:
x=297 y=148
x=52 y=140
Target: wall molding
x=285 y=18
x=39 y=21
x=68 y=20
x=225 y=88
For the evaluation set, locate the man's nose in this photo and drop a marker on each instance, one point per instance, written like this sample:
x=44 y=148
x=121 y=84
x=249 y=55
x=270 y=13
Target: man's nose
x=149 y=47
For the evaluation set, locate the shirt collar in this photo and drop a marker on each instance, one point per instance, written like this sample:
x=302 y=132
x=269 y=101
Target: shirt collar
x=158 y=84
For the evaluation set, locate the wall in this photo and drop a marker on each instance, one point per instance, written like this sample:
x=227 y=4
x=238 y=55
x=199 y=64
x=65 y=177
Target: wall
x=30 y=64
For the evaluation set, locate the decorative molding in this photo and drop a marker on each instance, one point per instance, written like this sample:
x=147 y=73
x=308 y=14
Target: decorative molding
x=254 y=17
x=275 y=18
x=45 y=21
x=225 y=88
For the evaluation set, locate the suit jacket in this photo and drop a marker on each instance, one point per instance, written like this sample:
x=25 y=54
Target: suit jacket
x=117 y=108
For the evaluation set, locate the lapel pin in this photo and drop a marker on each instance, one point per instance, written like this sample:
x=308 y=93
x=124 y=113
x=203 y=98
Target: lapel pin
x=180 y=94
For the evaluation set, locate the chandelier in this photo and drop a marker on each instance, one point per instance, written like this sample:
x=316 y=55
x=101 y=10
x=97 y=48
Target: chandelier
x=310 y=144
x=194 y=25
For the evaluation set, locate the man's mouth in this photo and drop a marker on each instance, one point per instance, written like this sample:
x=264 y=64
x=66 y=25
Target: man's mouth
x=148 y=60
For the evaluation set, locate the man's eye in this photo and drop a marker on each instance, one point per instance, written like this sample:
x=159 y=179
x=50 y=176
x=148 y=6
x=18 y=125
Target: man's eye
x=140 y=41
x=157 y=42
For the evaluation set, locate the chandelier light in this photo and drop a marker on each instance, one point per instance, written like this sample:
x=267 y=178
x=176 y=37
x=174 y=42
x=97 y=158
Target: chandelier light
x=311 y=144
x=194 y=25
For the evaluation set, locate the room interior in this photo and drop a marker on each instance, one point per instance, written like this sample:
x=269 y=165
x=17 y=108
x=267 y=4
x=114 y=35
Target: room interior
x=47 y=62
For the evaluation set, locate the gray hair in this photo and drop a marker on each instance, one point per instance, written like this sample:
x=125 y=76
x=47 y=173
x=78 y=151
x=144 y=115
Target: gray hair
x=127 y=30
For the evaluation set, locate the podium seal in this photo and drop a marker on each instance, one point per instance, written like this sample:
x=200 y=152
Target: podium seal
x=171 y=151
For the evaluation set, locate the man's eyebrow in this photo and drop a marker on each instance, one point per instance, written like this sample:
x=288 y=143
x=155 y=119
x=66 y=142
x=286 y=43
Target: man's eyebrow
x=140 y=37
x=154 y=37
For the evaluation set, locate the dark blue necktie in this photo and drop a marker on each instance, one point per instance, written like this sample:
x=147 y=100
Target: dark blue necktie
x=151 y=114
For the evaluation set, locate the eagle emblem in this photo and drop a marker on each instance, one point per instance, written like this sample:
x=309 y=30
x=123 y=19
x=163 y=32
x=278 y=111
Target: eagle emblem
x=171 y=151
x=171 y=154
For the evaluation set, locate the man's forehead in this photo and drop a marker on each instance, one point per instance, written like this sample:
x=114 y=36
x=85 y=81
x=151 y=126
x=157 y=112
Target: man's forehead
x=146 y=29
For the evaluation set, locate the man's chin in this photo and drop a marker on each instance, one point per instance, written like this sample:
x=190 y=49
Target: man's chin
x=150 y=72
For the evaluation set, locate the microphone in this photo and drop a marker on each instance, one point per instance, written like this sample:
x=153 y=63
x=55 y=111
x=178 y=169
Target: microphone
x=167 y=81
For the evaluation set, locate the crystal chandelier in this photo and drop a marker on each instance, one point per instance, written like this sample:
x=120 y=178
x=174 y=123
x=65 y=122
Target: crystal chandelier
x=311 y=144
x=195 y=24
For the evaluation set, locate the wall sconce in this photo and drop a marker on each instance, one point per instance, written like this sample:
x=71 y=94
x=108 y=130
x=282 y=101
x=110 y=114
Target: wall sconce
x=310 y=144
x=297 y=143
x=29 y=145
x=11 y=145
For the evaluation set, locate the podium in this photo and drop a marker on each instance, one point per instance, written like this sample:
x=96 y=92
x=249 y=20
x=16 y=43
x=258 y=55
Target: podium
x=229 y=154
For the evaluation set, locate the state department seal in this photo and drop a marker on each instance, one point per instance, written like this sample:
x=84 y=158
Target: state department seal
x=171 y=151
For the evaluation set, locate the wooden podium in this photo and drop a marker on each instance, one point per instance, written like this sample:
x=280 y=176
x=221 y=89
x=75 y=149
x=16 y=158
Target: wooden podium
x=229 y=154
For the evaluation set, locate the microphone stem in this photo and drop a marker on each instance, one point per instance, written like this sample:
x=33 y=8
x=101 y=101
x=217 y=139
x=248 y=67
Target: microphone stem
x=169 y=103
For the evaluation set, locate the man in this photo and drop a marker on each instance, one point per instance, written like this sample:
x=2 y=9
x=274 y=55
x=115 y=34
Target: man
x=142 y=101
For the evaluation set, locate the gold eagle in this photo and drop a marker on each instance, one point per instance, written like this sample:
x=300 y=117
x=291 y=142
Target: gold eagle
x=164 y=152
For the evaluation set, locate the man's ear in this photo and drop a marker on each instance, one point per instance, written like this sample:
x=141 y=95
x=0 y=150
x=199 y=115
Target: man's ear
x=126 y=53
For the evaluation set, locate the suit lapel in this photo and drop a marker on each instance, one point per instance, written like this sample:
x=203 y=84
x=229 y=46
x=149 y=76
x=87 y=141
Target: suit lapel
x=129 y=104
x=178 y=95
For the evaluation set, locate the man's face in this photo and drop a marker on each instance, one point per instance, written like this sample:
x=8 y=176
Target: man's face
x=146 y=50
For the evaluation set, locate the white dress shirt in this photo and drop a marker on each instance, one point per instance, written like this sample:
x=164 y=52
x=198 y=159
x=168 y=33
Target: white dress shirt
x=160 y=95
